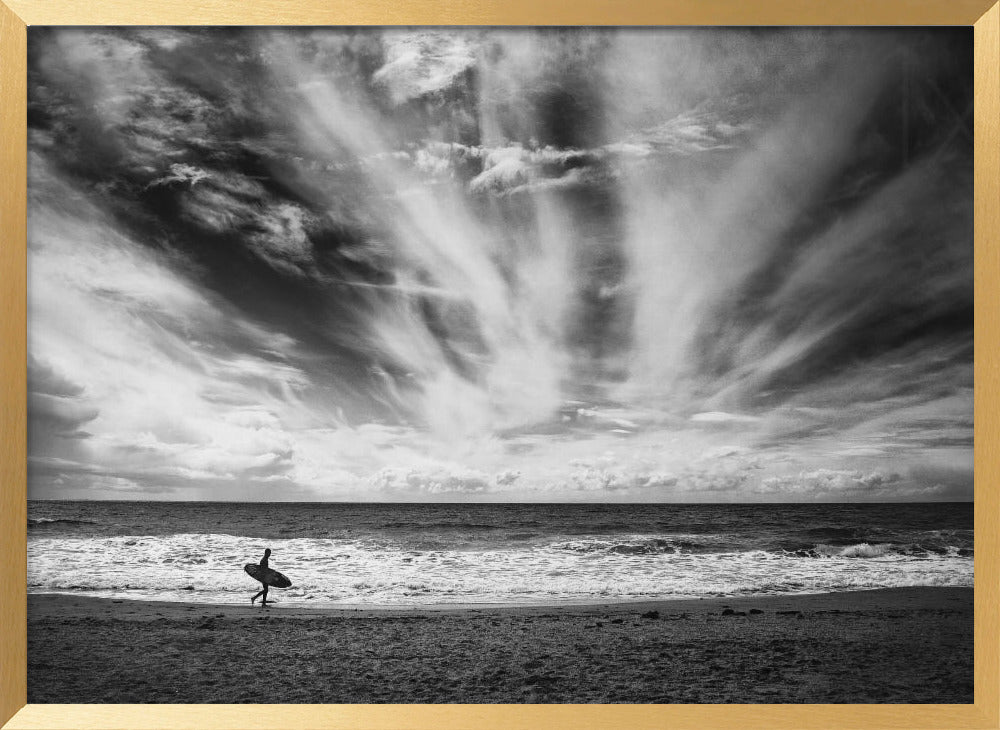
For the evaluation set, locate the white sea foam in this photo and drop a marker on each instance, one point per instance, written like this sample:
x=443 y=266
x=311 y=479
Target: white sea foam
x=209 y=568
x=864 y=550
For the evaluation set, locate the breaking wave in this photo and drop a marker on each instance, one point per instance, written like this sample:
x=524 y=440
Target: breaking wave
x=208 y=568
x=43 y=521
x=643 y=545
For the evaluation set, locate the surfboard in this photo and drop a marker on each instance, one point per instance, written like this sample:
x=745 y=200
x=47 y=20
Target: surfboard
x=267 y=576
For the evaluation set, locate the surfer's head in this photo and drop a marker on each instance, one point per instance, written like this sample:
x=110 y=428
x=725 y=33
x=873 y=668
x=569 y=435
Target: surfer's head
x=267 y=551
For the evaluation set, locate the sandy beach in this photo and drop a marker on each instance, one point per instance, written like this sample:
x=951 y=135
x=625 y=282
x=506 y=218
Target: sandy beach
x=885 y=646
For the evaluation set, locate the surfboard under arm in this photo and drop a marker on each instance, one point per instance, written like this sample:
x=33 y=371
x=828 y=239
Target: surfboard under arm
x=267 y=576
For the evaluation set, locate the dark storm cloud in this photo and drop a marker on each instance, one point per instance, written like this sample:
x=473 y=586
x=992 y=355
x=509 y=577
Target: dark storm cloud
x=44 y=380
x=61 y=416
x=56 y=405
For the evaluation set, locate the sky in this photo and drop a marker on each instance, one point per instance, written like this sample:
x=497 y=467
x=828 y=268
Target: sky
x=663 y=265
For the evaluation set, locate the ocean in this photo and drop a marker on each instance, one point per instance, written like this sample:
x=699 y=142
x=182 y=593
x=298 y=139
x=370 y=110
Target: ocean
x=382 y=555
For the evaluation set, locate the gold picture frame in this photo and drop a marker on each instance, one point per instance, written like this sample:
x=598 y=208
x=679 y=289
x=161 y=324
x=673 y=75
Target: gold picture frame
x=16 y=15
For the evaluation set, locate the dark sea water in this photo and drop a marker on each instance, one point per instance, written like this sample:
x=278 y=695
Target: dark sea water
x=399 y=554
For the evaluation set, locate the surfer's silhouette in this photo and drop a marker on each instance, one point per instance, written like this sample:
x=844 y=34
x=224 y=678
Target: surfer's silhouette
x=267 y=577
x=263 y=593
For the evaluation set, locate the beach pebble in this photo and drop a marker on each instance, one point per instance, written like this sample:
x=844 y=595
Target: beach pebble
x=651 y=614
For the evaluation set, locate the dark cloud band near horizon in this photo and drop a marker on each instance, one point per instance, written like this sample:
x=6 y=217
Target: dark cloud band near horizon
x=510 y=265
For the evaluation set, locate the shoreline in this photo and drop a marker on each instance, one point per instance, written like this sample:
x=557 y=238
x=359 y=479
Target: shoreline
x=280 y=608
x=886 y=645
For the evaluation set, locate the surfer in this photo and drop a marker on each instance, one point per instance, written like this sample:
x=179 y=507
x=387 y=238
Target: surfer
x=267 y=577
x=263 y=593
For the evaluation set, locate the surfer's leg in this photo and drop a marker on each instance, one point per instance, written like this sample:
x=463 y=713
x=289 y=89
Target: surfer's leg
x=259 y=593
x=263 y=601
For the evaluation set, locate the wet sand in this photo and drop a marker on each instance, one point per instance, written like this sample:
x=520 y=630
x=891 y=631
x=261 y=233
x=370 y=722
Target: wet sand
x=898 y=645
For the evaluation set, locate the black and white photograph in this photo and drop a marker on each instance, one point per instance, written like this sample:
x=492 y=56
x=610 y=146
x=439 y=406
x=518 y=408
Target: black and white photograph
x=500 y=365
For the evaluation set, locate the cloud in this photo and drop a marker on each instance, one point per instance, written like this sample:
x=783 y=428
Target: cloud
x=181 y=173
x=638 y=473
x=439 y=479
x=507 y=478
x=62 y=416
x=423 y=62
x=44 y=380
x=143 y=343
x=275 y=231
x=606 y=474
x=830 y=482
x=691 y=132
x=646 y=482
x=721 y=417
x=58 y=407
x=515 y=169
x=117 y=104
